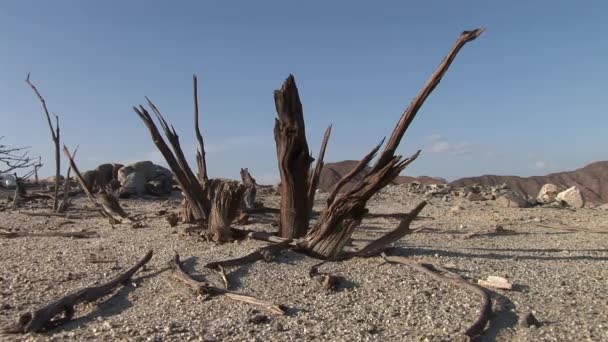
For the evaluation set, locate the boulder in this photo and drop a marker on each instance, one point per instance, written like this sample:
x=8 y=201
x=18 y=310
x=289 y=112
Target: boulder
x=8 y=181
x=512 y=200
x=133 y=184
x=144 y=177
x=547 y=193
x=571 y=196
x=90 y=179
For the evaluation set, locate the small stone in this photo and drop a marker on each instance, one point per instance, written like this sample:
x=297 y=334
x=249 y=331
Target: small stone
x=529 y=320
x=259 y=319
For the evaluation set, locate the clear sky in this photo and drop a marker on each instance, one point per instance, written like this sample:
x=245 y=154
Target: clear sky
x=527 y=97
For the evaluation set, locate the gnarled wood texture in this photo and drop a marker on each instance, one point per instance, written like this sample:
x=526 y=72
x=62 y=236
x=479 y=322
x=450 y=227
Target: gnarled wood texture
x=345 y=211
x=294 y=160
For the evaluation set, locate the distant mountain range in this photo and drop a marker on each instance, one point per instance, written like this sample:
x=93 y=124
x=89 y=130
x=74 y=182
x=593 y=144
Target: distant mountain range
x=333 y=172
x=592 y=180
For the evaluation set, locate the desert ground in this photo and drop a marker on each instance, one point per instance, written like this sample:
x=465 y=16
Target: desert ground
x=556 y=258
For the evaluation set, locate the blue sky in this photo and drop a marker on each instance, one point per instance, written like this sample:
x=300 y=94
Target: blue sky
x=527 y=97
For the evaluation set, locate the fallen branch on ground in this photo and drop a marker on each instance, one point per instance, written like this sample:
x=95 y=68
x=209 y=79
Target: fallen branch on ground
x=439 y=273
x=267 y=253
x=43 y=318
x=77 y=235
x=208 y=289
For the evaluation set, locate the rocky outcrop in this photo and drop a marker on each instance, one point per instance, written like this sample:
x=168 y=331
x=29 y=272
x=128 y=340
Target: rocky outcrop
x=512 y=200
x=572 y=197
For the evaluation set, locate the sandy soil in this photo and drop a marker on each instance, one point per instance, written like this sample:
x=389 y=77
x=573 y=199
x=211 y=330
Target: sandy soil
x=558 y=261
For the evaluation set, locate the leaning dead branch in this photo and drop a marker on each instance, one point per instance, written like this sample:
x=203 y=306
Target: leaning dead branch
x=200 y=153
x=107 y=204
x=54 y=137
x=207 y=289
x=316 y=173
x=377 y=246
x=45 y=318
x=76 y=235
x=443 y=275
x=344 y=212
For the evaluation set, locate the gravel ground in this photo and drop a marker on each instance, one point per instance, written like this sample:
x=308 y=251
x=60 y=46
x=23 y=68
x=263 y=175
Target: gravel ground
x=557 y=260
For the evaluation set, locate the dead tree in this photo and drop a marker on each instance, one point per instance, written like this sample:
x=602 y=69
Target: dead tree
x=316 y=173
x=344 y=212
x=294 y=160
x=54 y=137
x=211 y=202
x=250 y=192
x=14 y=158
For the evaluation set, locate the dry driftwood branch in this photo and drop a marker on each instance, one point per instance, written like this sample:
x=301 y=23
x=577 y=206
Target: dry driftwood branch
x=77 y=235
x=196 y=209
x=344 y=213
x=44 y=318
x=316 y=173
x=436 y=273
x=377 y=246
x=200 y=153
x=107 y=204
x=294 y=160
x=205 y=288
x=54 y=137
x=250 y=192
x=267 y=253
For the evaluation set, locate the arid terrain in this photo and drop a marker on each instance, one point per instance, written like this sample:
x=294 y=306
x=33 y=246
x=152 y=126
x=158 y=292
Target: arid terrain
x=557 y=259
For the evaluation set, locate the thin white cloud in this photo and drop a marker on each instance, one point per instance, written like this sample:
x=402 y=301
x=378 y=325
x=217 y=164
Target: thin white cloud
x=539 y=165
x=439 y=144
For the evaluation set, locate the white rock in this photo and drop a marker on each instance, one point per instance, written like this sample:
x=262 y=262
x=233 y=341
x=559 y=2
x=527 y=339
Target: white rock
x=572 y=196
x=547 y=193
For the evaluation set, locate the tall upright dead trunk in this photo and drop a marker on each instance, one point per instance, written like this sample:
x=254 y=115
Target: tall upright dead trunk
x=294 y=160
x=345 y=211
x=54 y=137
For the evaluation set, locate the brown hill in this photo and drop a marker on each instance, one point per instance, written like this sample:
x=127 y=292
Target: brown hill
x=333 y=172
x=592 y=180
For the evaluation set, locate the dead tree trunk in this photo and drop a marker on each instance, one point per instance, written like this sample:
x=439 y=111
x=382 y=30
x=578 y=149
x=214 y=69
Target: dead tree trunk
x=196 y=208
x=215 y=201
x=294 y=160
x=316 y=174
x=250 y=191
x=55 y=138
x=225 y=198
x=200 y=153
x=345 y=211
